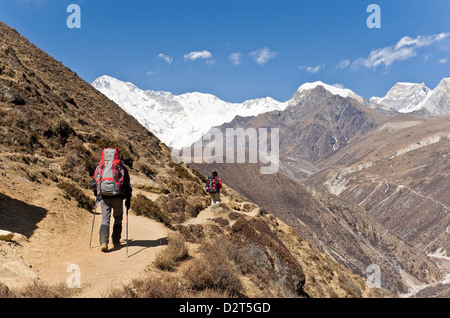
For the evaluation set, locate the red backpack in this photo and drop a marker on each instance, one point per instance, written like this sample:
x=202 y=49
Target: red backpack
x=213 y=185
x=109 y=174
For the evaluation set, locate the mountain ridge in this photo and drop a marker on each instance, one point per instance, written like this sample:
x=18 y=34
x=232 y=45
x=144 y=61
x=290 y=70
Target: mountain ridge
x=181 y=118
x=53 y=127
x=180 y=131
x=186 y=117
x=418 y=99
x=306 y=141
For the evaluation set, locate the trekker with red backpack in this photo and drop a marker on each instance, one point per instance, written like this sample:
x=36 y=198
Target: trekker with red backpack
x=213 y=186
x=111 y=185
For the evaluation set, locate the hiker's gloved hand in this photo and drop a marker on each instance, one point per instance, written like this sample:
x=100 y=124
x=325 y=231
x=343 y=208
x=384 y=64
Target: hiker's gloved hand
x=128 y=202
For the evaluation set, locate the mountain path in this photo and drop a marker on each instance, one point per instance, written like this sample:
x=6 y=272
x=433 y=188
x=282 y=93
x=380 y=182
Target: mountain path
x=56 y=247
x=100 y=272
x=70 y=260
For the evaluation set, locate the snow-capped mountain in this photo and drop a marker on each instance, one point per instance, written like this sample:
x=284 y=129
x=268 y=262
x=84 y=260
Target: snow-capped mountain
x=343 y=92
x=411 y=97
x=403 y=97
x=179 y=120
x=437 y=101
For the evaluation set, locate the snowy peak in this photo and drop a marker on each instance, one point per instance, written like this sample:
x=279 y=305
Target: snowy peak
x=411 y=97
x=404 y=97
x=437 y=101
x=444 y=85
x=335 y=90
x=179 y=120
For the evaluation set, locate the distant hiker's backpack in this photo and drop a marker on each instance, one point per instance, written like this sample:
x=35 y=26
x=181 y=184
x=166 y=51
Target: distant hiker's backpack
x=213 y=185
x=109 y=174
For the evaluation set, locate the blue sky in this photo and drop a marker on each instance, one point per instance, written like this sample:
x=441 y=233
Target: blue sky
x=243 y=49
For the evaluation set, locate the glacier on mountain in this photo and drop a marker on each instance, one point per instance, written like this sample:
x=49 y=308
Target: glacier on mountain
x=179 y=120
x=411 y=97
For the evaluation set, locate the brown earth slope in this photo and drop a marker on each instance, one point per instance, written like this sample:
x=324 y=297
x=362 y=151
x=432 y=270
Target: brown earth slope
x=342 y=230
x=399 y=174
x=318 y=128
x=315 y=127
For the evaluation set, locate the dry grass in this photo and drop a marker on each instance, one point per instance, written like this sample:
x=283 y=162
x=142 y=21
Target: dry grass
x=192 y=233
x=141 y=205
x=178 y=209
x=149 y=172
x=38 y=289
x=182 y=172
x=175 y=252
x=162 y=286
x=151 y=287
x=74 y=192
x=211 y=274
x=213 y=270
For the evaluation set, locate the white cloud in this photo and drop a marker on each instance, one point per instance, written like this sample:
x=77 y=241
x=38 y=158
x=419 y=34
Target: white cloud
x=421 y=41
x=166 y=58
x=312 y=69
x=198 y=55
x=343 y=64
x=443 y=61
x=151 y=73
x=406 y=48
x=263 y=55
x=236 y=58
x=337 y=85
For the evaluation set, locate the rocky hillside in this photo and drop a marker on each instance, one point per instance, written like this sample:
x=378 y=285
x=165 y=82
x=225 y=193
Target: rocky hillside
x=401 y=167
x=53 y=126
x=320 y=127
x=315 y=125
x=344 y=231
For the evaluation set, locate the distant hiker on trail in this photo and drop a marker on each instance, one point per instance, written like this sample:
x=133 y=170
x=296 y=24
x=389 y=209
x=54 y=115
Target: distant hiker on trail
x=213 y=186
x=111 y=185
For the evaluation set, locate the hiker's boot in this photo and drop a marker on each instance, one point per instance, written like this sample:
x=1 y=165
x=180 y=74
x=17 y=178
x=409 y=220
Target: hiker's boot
x=104 y=247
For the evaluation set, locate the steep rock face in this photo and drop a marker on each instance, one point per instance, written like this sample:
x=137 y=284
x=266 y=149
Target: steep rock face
x=328 y=127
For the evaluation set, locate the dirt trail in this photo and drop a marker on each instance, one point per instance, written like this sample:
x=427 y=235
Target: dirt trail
x=51 y=260
x=57 y=244
x=102 y=271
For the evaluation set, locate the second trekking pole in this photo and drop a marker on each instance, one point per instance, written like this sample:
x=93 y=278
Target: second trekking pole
x=93 y=221
x=127 y=233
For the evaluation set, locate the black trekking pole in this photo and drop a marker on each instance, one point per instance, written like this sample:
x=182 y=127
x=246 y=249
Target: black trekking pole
x=127 y=233
x=93 y=221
